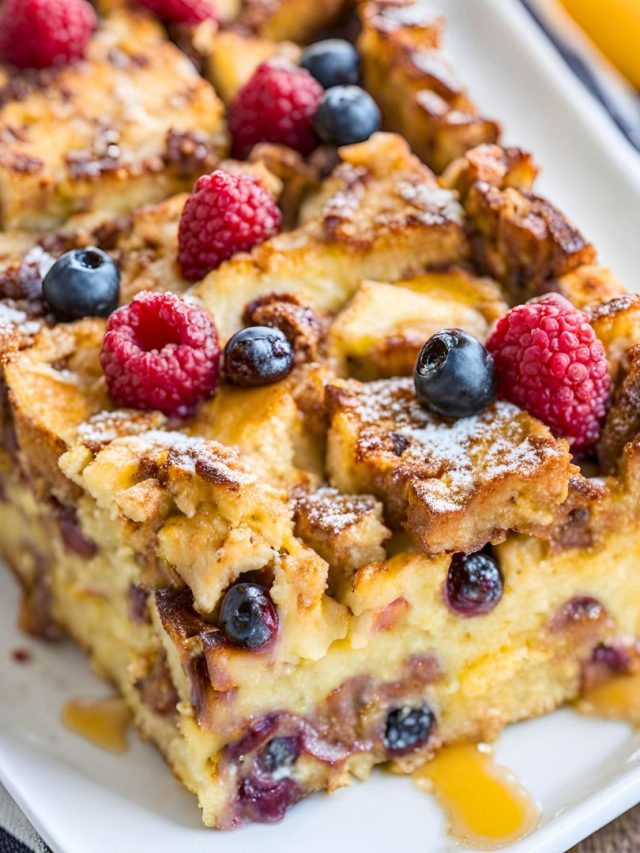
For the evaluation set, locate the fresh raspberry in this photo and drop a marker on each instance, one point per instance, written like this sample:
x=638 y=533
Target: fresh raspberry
x=551 y=363
x=41 y=33
x=276 y=105
x=160 y=352
x=224 y=214
x=181 y=11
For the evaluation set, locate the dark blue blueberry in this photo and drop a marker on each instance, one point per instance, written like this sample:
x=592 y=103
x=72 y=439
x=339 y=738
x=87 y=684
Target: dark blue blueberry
x=258 y=355
x=82 y=283
x=474 y=584
x=454 y=375
x=333 y=62
x=278 y=755
x=345 y=115
x=248 y=617
x=408 y=729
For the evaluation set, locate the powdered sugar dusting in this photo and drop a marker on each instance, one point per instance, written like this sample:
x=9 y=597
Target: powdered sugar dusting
x=195 y=456
x=42 y=260
x=433 y=64
x=419 y=14
x=435 y=205
x=12 y=317
x=333 y=512
x=447 y=462
x=105 y=427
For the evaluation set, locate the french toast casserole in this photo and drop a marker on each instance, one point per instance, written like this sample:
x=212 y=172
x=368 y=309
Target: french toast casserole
x=353 y=470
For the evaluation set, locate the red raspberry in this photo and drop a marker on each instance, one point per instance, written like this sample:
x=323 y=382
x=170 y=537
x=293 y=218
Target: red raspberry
x=551 y=363
x=160 y=352
x=181 y=11
x=40 y=33
x=224 y=214
x=276 y=105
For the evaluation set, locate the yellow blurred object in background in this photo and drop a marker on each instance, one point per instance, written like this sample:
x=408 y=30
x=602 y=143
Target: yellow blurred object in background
x=614 y=25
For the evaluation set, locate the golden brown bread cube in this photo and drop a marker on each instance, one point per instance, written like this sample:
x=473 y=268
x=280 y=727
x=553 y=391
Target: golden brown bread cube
x=268 y=426
x=491 y=164
x=522 y=240
x=296 y=20
x=617 y=325
x=381 y=215
x=416 y=88
x=622 y=423
x=453 y=486
x=52 y=387
x=62 y=151
x=345 y=530
x=588 y=286
x=234 y=56
x=383 y=328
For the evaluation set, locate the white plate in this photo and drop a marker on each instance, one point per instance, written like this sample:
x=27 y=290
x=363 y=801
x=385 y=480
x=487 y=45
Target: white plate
x=582 y=772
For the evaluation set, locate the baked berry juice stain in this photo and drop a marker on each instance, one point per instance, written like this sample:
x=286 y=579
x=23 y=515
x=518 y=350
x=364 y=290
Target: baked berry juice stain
x=485 y=806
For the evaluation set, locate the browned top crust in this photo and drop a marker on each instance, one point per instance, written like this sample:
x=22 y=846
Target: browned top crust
x=346 y=530
x=493 y=165
x=53 y=386
x=104 y=427
x=623 y=420
x=288 y=19
x=381 y=215
x=588 y=286
x=453 y=486
x=522 y=239
x=416 y=88
x=384 y=327
x=617 y=325
x=128 y=125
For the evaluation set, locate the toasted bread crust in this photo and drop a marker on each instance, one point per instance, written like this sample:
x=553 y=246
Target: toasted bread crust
x=95 y=153
x=414 y=84
x=381 y=214
x=454 y=487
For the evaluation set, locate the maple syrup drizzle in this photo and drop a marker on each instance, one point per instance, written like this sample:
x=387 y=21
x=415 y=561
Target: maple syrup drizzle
x=104 y=722
x=486 y=807
x=617 y=698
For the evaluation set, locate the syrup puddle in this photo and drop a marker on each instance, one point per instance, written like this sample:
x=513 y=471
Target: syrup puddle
x=103 y=722
x=486 y=807
x=618 y=698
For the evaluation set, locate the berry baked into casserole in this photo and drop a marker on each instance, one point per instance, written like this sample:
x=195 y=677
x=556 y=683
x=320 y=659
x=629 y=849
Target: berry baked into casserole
x=319 y=427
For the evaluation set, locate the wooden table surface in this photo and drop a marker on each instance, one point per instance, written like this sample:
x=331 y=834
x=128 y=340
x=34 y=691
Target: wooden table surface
x=621 y=836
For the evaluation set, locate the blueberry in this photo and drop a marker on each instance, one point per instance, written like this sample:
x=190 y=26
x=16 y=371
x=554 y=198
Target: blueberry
x=258 y=355
x=345 y=115
x=474 y=584
x=248 y=616
x=82 y=283
x=407 y=729
x=333 y=62
x=278 y=755
x=454 y=375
